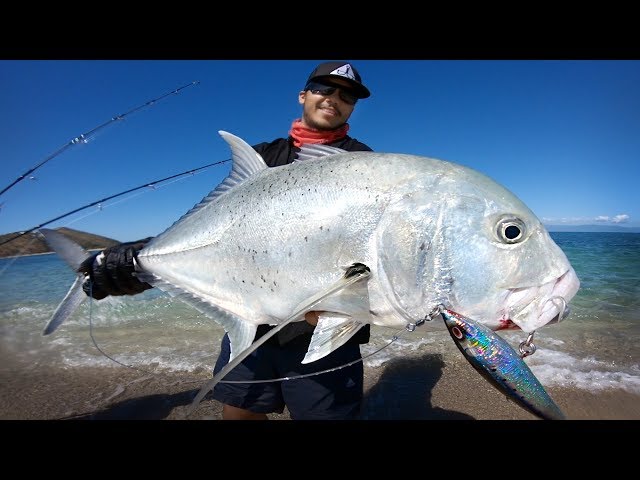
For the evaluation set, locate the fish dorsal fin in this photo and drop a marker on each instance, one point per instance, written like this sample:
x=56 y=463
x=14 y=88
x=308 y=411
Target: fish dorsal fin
x=246 y=162
x=333 y=331
x=311 y=151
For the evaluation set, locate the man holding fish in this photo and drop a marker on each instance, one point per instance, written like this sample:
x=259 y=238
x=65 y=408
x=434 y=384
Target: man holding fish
x=328 y=99
x=279 y=257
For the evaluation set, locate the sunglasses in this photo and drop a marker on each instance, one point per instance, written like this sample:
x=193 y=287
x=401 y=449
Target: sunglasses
x=326 y=90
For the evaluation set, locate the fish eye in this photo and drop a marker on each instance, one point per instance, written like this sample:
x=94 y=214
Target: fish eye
x=511 y=230
x=457 y=333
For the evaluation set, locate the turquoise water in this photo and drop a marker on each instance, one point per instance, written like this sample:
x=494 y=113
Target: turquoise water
x=597 y=347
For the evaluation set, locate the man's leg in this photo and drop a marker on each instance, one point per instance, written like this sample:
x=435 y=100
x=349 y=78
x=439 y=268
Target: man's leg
x=229 y=412
x=246 y=400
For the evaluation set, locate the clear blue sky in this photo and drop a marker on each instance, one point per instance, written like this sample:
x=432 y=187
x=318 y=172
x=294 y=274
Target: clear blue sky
x=564 y=136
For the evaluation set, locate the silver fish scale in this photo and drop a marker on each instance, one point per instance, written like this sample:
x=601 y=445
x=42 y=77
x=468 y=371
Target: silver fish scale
x=279 y=237
x=261 y=245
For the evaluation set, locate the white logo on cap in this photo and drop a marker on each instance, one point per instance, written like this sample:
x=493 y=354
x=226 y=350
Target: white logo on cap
x=344 y=71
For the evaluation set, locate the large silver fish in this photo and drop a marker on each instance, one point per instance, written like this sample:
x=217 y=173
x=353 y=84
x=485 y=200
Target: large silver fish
x=501 y=365
x=269 y=244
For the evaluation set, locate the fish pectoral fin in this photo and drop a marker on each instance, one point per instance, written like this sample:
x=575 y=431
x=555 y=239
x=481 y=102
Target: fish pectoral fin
x=241 y=336
x=333 y=331
x=348 y=285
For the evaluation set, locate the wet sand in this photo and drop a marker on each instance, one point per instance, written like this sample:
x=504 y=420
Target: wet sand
x=429 y=387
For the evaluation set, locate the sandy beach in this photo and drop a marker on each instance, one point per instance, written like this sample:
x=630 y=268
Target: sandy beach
x=430 y=387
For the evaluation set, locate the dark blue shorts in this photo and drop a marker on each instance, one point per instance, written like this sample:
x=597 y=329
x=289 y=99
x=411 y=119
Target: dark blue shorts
x=333 y=395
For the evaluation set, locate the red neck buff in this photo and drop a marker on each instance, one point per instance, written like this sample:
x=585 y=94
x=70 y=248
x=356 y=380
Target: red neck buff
x=302 y=134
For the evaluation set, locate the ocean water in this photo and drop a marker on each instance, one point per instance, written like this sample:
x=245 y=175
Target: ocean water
x=597 y=347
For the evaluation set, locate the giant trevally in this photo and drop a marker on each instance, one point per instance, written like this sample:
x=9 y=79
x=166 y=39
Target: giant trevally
x=268 y=244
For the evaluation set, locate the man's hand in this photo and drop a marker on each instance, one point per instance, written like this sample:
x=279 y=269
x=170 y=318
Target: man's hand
x=112 y=272
x=312 y=318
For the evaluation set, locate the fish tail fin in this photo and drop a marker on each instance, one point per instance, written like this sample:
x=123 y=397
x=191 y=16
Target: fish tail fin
x=73 y=254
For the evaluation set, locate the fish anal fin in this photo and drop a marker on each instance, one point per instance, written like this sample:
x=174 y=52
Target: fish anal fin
x=359 y=272
x=241 y=331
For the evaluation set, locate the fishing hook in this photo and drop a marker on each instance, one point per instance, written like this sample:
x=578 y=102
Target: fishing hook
x=527 y=347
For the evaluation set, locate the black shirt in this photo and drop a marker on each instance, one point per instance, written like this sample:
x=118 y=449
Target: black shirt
x=281 y=152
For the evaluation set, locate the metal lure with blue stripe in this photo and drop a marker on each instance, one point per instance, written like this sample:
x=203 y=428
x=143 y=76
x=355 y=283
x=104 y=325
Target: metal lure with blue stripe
x=501 y=365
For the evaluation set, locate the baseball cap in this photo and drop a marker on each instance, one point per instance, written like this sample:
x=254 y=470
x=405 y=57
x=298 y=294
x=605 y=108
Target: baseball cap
x=346 y=71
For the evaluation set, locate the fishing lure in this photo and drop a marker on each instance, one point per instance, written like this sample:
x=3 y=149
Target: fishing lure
x=501 y=365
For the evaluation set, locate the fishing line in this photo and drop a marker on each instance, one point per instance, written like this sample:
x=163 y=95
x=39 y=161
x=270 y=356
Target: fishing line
x=84 y=138
x=95 y=344
x=126 y=199
x=152 y=185
x=394 y=338
x=362 y=359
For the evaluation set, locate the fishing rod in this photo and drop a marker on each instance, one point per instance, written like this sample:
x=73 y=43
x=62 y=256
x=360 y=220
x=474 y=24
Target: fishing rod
x=84 y=138
x=111 y=197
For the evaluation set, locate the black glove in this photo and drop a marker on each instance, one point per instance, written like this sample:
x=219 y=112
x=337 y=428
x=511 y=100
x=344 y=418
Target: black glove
x=112 y=272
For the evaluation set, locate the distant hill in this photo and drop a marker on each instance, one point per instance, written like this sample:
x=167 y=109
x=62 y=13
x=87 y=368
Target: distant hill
x=591 y=228
x=33 y=243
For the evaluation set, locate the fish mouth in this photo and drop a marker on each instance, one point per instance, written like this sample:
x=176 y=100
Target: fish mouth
x=533 y=307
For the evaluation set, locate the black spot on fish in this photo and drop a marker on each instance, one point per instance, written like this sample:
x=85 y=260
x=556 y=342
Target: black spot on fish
x=305 y=238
